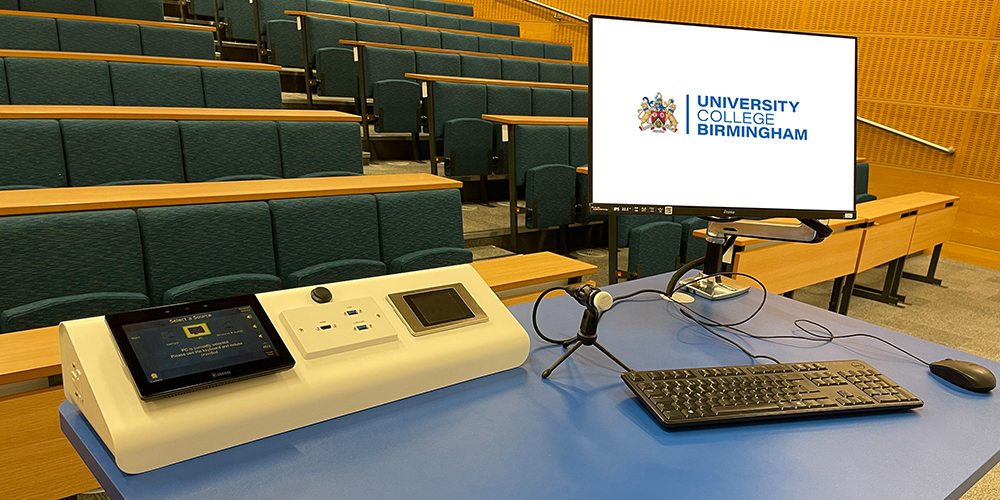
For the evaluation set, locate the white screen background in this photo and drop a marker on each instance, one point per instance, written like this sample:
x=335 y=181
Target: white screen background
x=633 y=59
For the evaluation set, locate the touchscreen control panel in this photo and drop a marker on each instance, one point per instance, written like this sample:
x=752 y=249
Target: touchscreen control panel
x=432 y=310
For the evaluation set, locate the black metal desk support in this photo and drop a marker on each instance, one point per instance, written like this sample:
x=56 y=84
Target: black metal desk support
x=301 y=21
x=512 y=185
x=931 y=269
x=261 y=51
x=362 y=98
x=889 y=294
x=612 y=249
x=431 y=132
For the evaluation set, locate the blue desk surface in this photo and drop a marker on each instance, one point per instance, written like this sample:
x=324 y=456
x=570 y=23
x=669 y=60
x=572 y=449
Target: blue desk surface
x=582 y=435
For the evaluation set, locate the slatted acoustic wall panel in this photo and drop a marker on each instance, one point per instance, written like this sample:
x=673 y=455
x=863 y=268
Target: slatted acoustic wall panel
x=930 y=68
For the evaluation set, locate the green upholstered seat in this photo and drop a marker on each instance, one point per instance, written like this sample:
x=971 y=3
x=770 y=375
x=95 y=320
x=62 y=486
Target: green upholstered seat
x=550 y=196
x=429 y=5
x=540 y=145
x=447 y=22
x=399 y=3
x=480 y=66
x=397 y=105
x=93 y=36
x=58 y=81
x=274 y=10
x=433 y=63
x=222 y=150
x=506 y=29
x=407 y=17
x=692 y=247
x=519 y=69
x=161 y=41
x=147 y=10
x=861 y=194
x=28 y=33
x=4 y=98
x=458 y=41
x=551 y=102
x=8 y=4
x=457 y=8
x=326 y=239
x=239 y=16
x=506 y=100
x=241 y=88
x=116 y=151
x=79 y=265
x=421 y=230
x=31 y=154
x=78 y=7
x=579 y=152
x=203 y=8
x=581 y=74
x=141 y=84
x=310 y=149
x=468 y=142
x=386 y=64
x=200 y=252
x=477 y=25
x=555 y=72
x=322 y=33
x=527 y=48
x=416 y=37
x=654 y=248
x=492 y=45
x=285 y=42
x=457 y=100
x=558 y=51
x=581 y=102
x=368 y=32
x=328 y=7
x=369 y=12
x=337 y=72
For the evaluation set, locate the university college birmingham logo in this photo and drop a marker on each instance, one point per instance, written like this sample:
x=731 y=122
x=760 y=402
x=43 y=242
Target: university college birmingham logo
x=657 y=115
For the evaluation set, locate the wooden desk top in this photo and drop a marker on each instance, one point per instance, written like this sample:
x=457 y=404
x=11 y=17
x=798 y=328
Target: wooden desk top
x=518 y=271
x=922 y=199
x=118 y=20
x=171 y=113
x=74 y=199
x=449 y=51
x=176 y=61
x=537 y=120
x=491 y=81
x=29 y=354
x=404 y=25
x=882 y=210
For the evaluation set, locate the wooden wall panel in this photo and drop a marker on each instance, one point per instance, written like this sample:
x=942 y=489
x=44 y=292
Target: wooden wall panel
x=918 y=70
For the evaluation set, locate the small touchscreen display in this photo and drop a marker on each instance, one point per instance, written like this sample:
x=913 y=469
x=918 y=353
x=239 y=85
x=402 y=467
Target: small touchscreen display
x=438 y=307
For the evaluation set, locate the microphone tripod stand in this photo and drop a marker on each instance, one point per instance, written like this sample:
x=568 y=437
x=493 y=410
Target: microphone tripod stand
x=587 y=335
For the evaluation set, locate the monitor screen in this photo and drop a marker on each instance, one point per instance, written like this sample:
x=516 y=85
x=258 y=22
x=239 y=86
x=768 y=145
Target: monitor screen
x=705 y=120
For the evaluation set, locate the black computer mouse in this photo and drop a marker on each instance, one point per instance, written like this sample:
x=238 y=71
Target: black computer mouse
x=965 y=374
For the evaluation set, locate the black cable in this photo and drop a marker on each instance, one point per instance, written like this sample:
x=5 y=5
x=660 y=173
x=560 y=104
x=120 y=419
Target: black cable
x=731 y=341
x=534 y=317
x=831 y=337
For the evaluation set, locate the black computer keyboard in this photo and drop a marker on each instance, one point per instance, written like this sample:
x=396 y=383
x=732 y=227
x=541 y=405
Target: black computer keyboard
x=703 y=396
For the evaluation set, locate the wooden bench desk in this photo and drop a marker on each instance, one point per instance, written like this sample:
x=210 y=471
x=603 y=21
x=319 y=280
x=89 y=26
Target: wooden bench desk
x=47 y=112
x=492 y=81
x=936 y=214
x=508 y=277
x=101 y=19
x=176 y=61
x=404 y=25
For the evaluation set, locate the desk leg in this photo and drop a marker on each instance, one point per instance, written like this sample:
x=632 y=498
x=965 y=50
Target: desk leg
x=790 y=294
x=845 y=299
x=512 y=185
x=612 y=249
x=838 y=288
x=305 y=60
x=887 y=294
x=432 y=143
x=931 y=269
x=363 y=100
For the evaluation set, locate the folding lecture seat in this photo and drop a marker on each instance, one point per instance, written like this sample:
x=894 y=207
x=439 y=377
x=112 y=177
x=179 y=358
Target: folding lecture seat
x=369 y=12
x=160 y=41
x=519 y=69
x=481 y=66
x=239 y=18
x=328 y=7
x=505 y=29
x=420 y=38
x=334 y=63
x=203 y=8
x=284 y=41
x=230 y=150
x=555 y=72
x=398 y=3
x=527 y=48
x=506 y=100
x=407 y=17
x=327 y=33
x=558 y=51
x=28 y=33
x=451 y=23
x=540 y=145
x=122 y=152
x=654 y=248
x=379 y=33
x=58 y=81
x=31 y=154
x=272 y=10
x=429 y=5
x=4 y=97
x=326 y=239
x=493 y=45
x=64 y=266
x=477 y=25
x=421 y=230
x=581 y=102
x=861 y=194
x=551 y=102
x=458 y=41
x=457 y=8
x=550 y=196
x=147 y=10
x=434 y=63
x=93 y=36
x=581 y=74
x=201 y=252
x=468 y=140
x=8 y=4
x=78 y=7
x=692 y=247
x=395 y=100
x=579 y=152
x=241 y=88
x=141 y=84
x=313 y=149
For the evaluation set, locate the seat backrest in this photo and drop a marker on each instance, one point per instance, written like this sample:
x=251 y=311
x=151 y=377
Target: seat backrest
x=480 y=66
x=457 y=100
x=527 y=48
x=581 y=102
x=328 y=7
x=508 y=100
x=78 y=7
x=28 y=33
x=581 y=74
x=407 y=17
x=579 y=152
x=506 y=29
x=93 y=36
x=558 y=51
x=8 y=4
x=188 y=243
x=309 y=148
x=540 y=145
x=368 y=32
x=172 y=42
x=458 y=41
x=312 y=231
x=458 y=8
x=555 y=72
x=550 y=196
x=4 y=97
x=147 y=10
x=399 y=3
x=433 y=63
x=627 y=222
x=477 y=25
x=58 y=81
x=420 y=38
x=551 y=102
x=241 y=88
x=221 y=150
x=654 y=248
x=140 y=84
x=447 y=22
x=519 y=69
x=493 y=45
x=369 y=12
x=70 y=254
x=122 y=151
x=861 y=178
x=324 y=33
x=273 y=10
x=419 y=220
x=429 y=5
x=386 y=64
x=31 y=154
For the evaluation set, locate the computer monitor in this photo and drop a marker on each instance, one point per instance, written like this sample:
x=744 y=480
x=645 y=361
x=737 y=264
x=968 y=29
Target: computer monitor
x=716 y=121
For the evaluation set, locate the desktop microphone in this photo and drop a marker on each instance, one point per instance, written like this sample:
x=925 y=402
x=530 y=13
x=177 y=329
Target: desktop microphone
x=591 y=297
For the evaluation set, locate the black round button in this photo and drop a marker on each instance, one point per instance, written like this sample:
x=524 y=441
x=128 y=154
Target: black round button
x=321 y=295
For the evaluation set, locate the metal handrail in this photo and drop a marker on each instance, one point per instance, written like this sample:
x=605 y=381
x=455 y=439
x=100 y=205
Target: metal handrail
x=560 y=11
x=949 y=151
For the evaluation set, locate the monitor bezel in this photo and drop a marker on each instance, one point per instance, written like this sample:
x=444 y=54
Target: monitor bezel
x=705 y=211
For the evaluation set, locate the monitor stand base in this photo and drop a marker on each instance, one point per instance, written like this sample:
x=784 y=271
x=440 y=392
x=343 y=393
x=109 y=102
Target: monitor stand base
x=717 y=288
